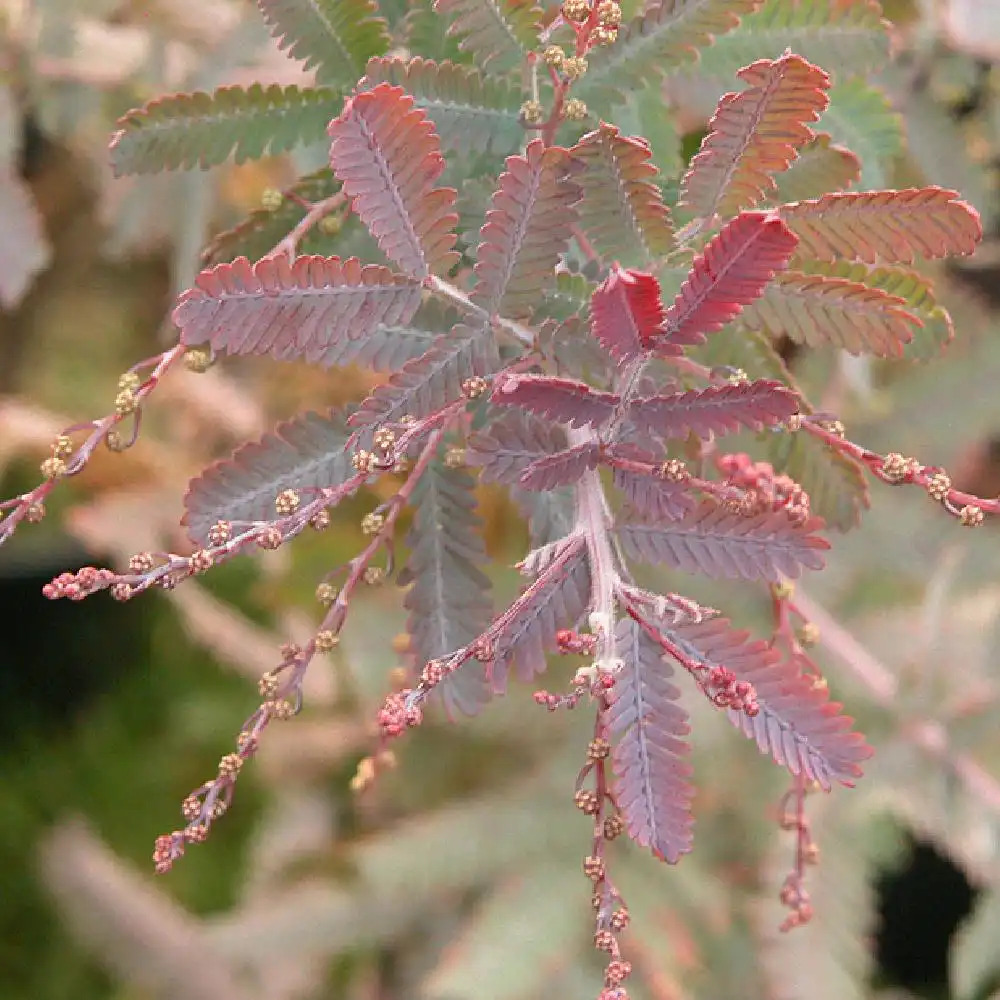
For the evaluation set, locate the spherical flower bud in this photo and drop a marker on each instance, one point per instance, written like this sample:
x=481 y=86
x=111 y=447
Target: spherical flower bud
x=230 y=765
x=201 y=561
x=197 y=360
x=62 y=447
x=896 y=467
x=609 y=13
x=939 y=485
x=34 y=512
x=617 y=972
x=553 y=56
x=574 y=67
x=575 y=110
x=971 y=516
x=614 y=826
x=121 y=592
x=141 y=562
x=197 y=833
x=326 y=594
x=129 y=382
x=191 y=808
x=320 y=521
x=271 y=199
x=270 y=538
x=325 y=640
x=374 y=575
x=53 y=468
x=598 y=748
x=384 y=438
x=673 y=470
x=474 y=387
x=280 y=709
x=587 y=802
x=602 y=35
x=126 y=402
x=576 y=10
x=220 y=533
x=268 y=684
x=372 y=523
x=114 y=441
x=808 y=634
x=619 y=919
x=604 y=941
x=287 y=502
x=363 y=461
x=593 y=868
x=454 y=458
x=531 y=112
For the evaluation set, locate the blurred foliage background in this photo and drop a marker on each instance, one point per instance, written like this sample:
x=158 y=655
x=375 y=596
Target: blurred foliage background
x=457 y=877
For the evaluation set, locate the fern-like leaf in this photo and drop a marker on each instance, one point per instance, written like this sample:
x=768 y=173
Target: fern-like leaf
x=716 y=409
x=203 y=130
x=847 y=38
x=506 y=449
x=528 y=225
x=294 y=310
x=797 y=725
x=755 y=134
x=557 y=598
x=472 y=113
x=449 y=598
x=563 y=399
x=822 y=165
x=648 y=728
x=309 y=451
x=816 y=310
x=429 y=382
x=622 y=212
x=627 y=314
x=932 y=333
x=501 y=32
x=562 y=468
x=387 y=156
x=887 y=226
x=664 y=36
x=730 y=273
x=718 y=543
x=336 y=36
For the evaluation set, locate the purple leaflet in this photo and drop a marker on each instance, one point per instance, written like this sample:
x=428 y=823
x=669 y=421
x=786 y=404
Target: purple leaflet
x=716 y=409
x=797 y=725
x=719 y=543
x=566 y=400
x=562 y=468
x=511 y=443
x=309 y=451
x=730 y=273
x=650 y=753
x=293 y=311
x=653 y=499
x=627 y=314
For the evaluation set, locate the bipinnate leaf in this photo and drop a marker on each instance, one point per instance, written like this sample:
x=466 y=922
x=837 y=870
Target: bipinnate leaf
x=448 y=599
x=664 y=36
x=309 y=451
x=501 y=32
x=821 y=166
x=846 y=38
x=387 y=155
x=472 y=113
x=884 y=226
x=557 y=598
x=431 y=381
x=562 y=468
x=336 y=36
x=648 y=728
x=565 y=400
x=755 y=134
x=527 y=227
x=510 y=444
x=622 y=212
x=293 y=311
x=797 y=725
x=627 y=314
x=716 y=409
x=730 y=273
x=203 y=130
x=719 y=543
x=817 y=310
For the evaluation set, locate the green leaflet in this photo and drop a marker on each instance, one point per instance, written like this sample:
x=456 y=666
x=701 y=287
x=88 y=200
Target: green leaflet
x=501 y=32
x=844 y=38
x=861 y=118
x=336 y=36
x=472 y=113
x=652 y=44
x=203 y=130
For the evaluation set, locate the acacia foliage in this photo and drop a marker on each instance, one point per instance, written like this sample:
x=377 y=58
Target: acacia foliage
x=588 y=320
